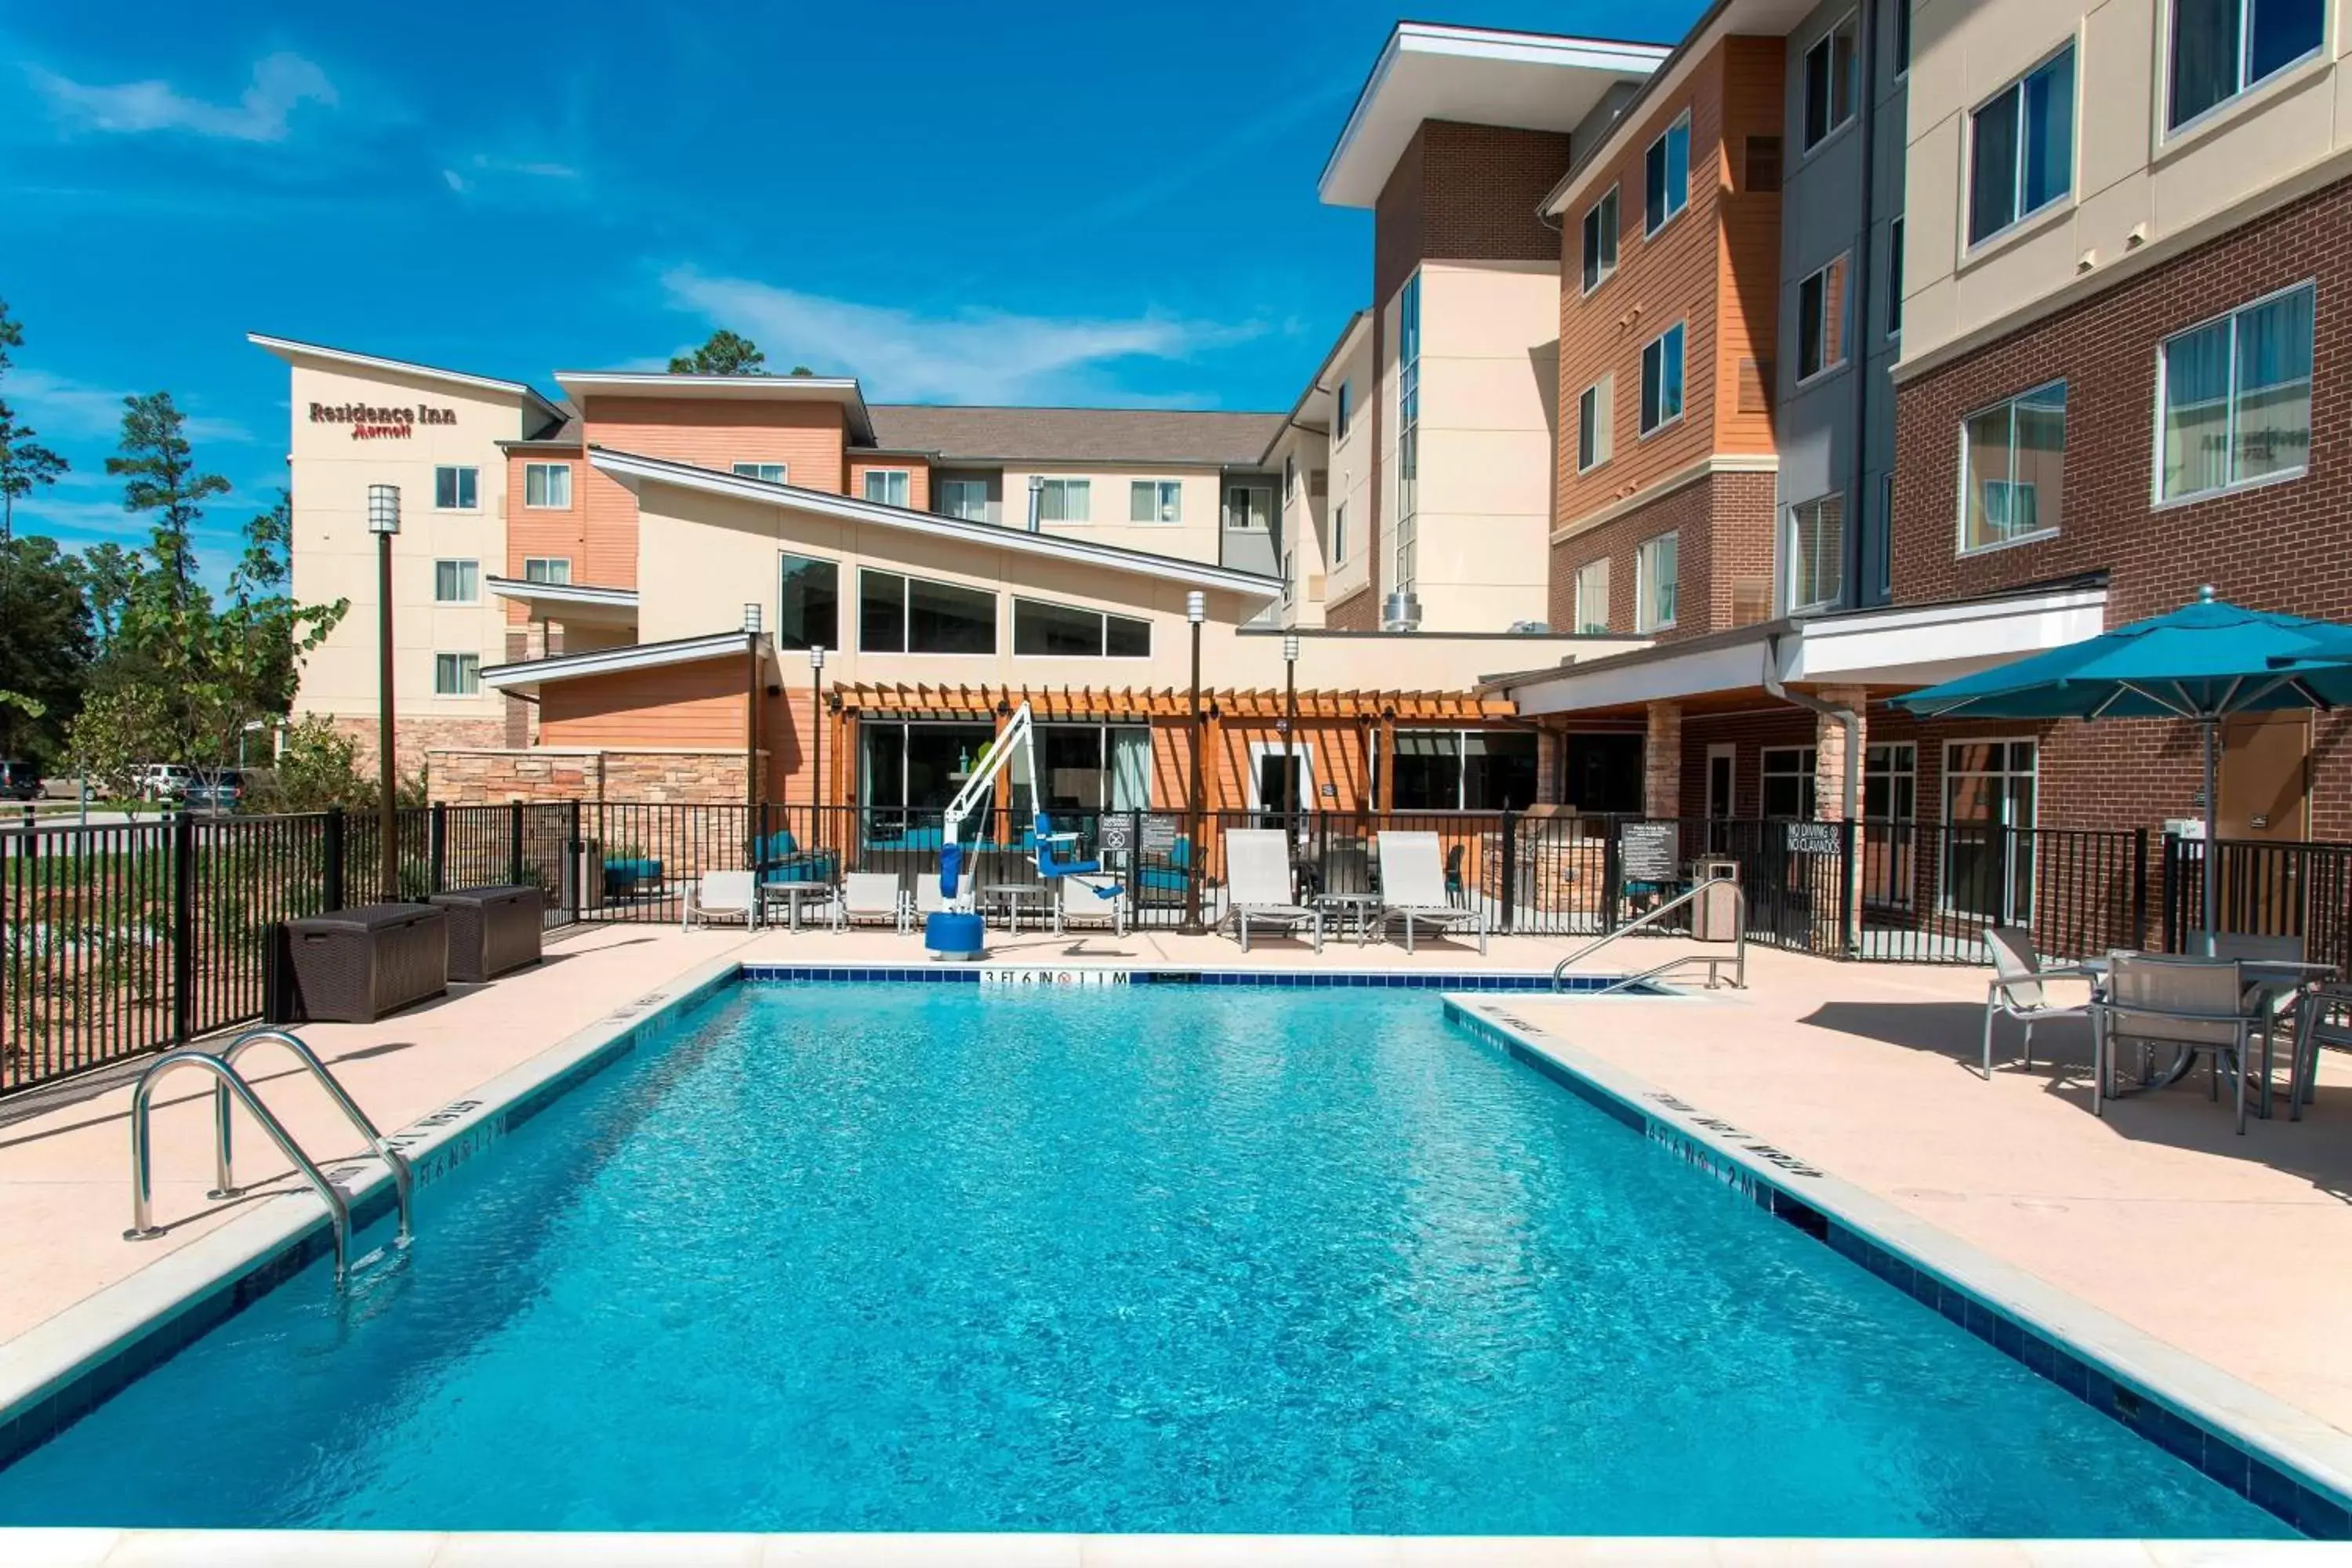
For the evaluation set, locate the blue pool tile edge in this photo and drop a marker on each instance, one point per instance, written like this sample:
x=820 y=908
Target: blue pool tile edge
x=2287 y=1463
x=1017 y=976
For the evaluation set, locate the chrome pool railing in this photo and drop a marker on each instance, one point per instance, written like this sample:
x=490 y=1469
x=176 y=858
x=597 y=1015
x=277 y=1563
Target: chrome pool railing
x=1714 y=962
x=403 y=1183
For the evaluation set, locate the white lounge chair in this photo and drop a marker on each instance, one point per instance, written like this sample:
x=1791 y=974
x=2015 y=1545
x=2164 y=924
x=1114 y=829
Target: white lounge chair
x=1412 y=888
x=2016 y=990
x=1080 y=896
x=1257 y=885
x=872 y=898
x=723 y=895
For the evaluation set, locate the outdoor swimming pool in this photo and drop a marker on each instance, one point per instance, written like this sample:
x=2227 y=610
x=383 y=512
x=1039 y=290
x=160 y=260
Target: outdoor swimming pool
x=1182 y=1259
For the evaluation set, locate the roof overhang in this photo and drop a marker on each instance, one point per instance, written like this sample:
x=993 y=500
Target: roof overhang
x=1313 y=409
x=1905 y=647
x=572 y=603
x=527 y=676
x=292 y=349
x=633 y=471
x=582 y=385
x=1535 y=81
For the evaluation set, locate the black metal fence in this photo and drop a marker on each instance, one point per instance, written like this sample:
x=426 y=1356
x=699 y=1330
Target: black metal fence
x=118 y=938
x=2296 y=889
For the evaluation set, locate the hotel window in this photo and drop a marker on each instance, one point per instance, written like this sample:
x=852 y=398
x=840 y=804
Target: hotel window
x=1820 y=322
x=888 y=486
x=1657 y=569
x=1900 y=11
x=808 y=602
x=2012 y=469
x=914 y=615
x=457 y=582
x=1465 y=770
x=1061 y=631
x=773 y=472
x=1890 y=783
x=915 y=767
x=966 y=499
x=1289 y=475
x=1407 y=537
x=1812 y=552
x=1249 y=509
x=1342 y=411
x=1592 y=596
x=1989 y=794
x=2235 y=397
x=1895 y=278
x=457 y=488
x=1593 y=419
x=1662 y=379
x=1788 y=783
x=1155 y=500
x=1066 y=500
x=1339 y=534
x=547 y=486
x=1601 y=241
x=555 y=570
x=1665 y=185
x=2222 y=47
x=456 y=674
x=2021 y=147
x=1830 y=76
x=1290 y=577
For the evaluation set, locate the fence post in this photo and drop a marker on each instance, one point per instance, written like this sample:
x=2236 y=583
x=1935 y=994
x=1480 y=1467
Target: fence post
x=1510 y=878
x=1849 y=887
x=437 y=846
x=1135 y=865
x=1611 y=881
x=576 y=870
x=183 y=928
x=333 y=855
x=2171 y=895
x=514 y=843
x=2139 y=888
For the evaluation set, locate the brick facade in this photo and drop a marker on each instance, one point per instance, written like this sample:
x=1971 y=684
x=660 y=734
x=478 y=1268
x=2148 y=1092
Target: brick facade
x=1466 y=193
x=1724 y=548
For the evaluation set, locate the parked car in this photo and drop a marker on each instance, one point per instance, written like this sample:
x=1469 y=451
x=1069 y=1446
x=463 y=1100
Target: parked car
x=217 y=793
x=162 y=782
x=20 y=781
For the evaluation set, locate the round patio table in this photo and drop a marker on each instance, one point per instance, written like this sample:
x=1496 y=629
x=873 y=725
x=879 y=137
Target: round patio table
x=2271 y=976
x=792 y=894
x=1011 y=896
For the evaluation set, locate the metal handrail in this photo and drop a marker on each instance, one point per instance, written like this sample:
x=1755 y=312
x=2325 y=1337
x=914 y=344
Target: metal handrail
x=1740 y=932
x=403 y=1183
x=338 y=1209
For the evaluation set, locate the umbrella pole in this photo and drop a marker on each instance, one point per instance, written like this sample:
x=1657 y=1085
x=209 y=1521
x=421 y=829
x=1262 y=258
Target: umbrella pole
x=2212 y=851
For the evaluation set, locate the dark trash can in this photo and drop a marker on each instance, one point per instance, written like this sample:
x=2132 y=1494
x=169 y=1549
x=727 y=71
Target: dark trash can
x=491 y=929
x=354 y=965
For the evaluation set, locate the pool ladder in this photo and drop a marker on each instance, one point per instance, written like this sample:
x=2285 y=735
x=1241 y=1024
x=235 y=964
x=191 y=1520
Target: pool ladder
x=1714 y=962
x=230 y=1087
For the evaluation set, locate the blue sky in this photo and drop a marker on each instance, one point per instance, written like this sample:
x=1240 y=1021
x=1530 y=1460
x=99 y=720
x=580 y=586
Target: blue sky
x=1041 y=204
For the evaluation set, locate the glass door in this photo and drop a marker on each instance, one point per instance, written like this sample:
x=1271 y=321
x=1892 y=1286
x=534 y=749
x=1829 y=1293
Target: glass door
x=1988 y=797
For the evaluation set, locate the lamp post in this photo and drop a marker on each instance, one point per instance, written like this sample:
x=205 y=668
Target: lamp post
x=751 y=715
x=816 y=743
x=1196 y=610
x=384 y=522
x=1290 y=731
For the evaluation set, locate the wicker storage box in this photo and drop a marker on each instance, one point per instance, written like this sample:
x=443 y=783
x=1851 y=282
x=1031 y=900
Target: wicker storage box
x=354 y=966
x=491 y=929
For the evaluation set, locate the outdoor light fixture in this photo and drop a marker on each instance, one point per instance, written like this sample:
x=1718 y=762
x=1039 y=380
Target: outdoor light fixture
x=383 y=508
x=1196 y=606
x=751 y=618
x=816 y=740
x=1290 y=646
x=384 y=522
x=1290 y=780
x=1196 y=610
x=816 y=656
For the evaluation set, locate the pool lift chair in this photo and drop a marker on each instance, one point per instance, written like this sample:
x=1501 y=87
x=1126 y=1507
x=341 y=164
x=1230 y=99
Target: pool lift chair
x=956 y=933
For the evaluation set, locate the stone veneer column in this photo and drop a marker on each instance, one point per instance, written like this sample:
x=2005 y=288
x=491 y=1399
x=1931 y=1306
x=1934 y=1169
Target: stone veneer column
x=1661 y=761
x=1831 y=763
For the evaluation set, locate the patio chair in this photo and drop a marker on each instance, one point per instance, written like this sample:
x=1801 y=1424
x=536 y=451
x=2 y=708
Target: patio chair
x=1101 y=897
x=1257 y=885
x=2196 y=1004
x=1412 y=888
x=723 y=895
x=872 y=898
x=2016 y=990
x=2322 y=1018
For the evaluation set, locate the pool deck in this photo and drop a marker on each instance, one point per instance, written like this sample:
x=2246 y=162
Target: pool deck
x=2238 y=1251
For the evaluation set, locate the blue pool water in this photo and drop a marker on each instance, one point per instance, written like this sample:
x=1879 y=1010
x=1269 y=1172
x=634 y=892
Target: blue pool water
x=1169 y=1259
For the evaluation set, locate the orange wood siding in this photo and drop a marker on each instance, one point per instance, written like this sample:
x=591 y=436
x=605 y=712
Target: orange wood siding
x=809 y=439
x=919 y=478
x=699 y=704
x=1748 y=280
x=542 y=530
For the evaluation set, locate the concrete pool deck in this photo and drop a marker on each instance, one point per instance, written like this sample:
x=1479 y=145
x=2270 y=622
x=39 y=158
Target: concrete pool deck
x=2238 y=1251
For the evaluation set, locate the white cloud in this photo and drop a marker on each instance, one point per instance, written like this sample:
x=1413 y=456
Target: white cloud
x=977 y=356
x=281 y=83
x=482 y=167
x=58 y=407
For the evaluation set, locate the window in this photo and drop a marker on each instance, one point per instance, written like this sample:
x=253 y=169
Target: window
x=1666 y=176
x=1901 y=10
x=1601 y=241
x=1339 y=534
x=2012 y=469
x=1289 y=475
x=2235 y=395
x=1592 y=608
x=457 y=488
x=456 y=674
x=1593 y=419
x=457 y=582
x=1895 y=278
x=2021 y=147
x=1342 y=411
x=808 y=605
x=915 y=767
x=2222 y=47
x=1662 y=379
x=913 y=615
x=966 y=499
x=1290 y=577
x=1657 y=566
x=1789 y=787
x=1465 y=770
x=1155 y=500
x=1831 y=75
x=1820 y=322
x=1763 y=162
x=1407 y=537
x=773 y=472
x=551 y=569
x=1890 y=783
x=1249 y=509
x=889 y=486
x=1989 y=791
x=1042 y=630
x=1066 y=500
x=1812 y=552
x=547 y=485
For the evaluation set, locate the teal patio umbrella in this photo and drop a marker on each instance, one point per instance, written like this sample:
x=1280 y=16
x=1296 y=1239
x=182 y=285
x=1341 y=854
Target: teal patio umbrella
x=2203 y=662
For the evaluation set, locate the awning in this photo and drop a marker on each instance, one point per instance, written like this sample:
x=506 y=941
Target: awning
x=573 y=604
